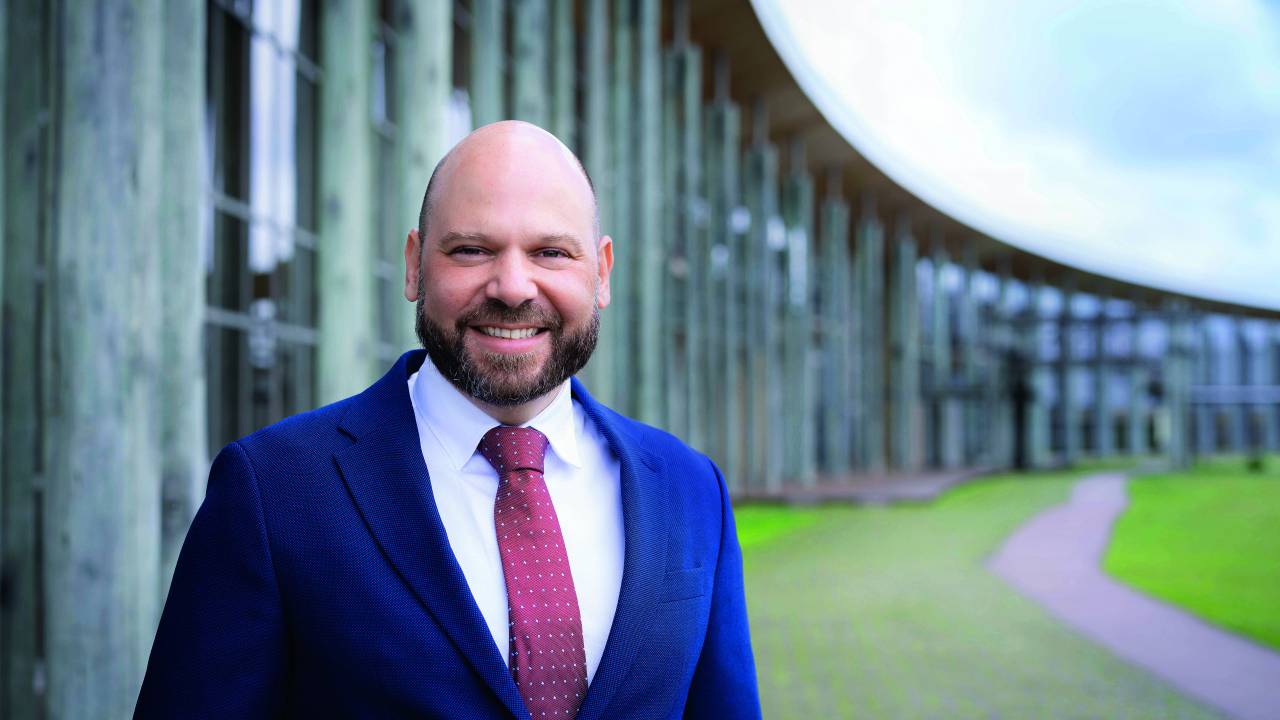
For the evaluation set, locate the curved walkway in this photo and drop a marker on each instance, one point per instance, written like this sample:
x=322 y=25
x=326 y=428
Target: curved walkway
x=1055 y=559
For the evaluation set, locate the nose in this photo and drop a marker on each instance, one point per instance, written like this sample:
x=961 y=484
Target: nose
x=512 y=281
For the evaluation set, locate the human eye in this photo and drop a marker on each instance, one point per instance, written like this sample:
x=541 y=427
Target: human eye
x=554 y=253
x=466 y=251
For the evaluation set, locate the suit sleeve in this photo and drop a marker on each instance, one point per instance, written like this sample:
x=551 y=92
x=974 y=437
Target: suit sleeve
x=724 y=681
x=220 y=648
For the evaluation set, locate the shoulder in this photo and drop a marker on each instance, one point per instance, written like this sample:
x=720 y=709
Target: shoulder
x=298 y=436
x=689 y=474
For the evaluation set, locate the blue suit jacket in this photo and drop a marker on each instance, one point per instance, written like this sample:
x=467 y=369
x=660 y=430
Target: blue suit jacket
x=316 y=581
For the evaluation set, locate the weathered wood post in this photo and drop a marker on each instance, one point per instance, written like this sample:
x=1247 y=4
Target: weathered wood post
x=999 y=387
x=649 y=258
x=26 y=185
x=1271 y=377
x=1138 y=382
x=1067 y=415
x=904 y=345
x=1240 y=411
x=687 y=310
x=626 y=239
x=530 y=89
x=1103 y=432
x=600 y=373
x=947 y=415
x=973 y=430
x=563 y=70
x=423 y=83
x=102 y=514
x=727 y=259
x=182 y=401
x=766 y=238
x=837 y=306
x=488 y=21
x=1177 y=383
x=346 y=357
x=1206 y=422
x=871 y=294
x=1039 y=431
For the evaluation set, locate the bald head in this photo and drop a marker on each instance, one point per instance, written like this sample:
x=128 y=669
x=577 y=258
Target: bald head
x=505 y=144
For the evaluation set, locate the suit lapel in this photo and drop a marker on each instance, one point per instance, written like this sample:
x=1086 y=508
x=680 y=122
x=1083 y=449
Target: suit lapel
x=388 y=479
x=644 y=556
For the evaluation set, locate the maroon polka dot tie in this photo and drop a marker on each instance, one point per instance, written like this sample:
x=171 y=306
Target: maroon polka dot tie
x=548 y=662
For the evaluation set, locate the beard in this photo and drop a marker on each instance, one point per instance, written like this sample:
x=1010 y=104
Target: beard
x=501 y=379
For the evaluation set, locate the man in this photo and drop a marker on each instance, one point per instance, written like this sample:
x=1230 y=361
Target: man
x=473 y=536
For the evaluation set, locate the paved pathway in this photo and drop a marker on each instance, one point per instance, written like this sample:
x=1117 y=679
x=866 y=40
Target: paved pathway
x=1055 y=559
x=870 y=489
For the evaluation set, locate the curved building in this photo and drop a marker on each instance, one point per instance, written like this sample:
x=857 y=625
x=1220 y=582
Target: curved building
x=205 y=201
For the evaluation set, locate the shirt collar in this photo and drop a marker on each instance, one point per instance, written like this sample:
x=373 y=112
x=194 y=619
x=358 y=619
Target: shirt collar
x=459 y=425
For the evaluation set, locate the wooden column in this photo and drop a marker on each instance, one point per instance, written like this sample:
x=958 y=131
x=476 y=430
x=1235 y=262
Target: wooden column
x=346 y=358
x=1271 y=377
x=1138 y=381
x=1206 y=413
x=1103 y=440
x=691 y=253
x=530 y=86
x=871 y=294
x=649 y=257
x=1069 y=418
x=626 y=241
x=972 y=433
x=182 y=432
x=102 y=512
x=1039 y=432
x=947 y=411
x=4 y=142
x=904 y=346
x=766 y=239
x=26 y=183
x=1240 y=377
x=675 y=267
x=800 y=417
x=563 y=71
x=600 y=373
x=488 y=21
x=1000 y=388
x=1177 y=379
x=835 y=290
x=423 y=83
x=727 y=262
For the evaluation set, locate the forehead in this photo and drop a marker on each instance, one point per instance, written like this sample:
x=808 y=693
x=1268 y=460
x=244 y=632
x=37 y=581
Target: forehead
x=512 y=182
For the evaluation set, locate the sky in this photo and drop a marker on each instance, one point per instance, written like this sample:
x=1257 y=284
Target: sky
x=1134 y=138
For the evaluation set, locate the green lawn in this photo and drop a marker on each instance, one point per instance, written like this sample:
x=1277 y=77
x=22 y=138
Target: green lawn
x=1207 y=540
x=890 y=613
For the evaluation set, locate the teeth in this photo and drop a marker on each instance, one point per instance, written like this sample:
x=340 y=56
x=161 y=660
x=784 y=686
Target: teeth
x=509 y=334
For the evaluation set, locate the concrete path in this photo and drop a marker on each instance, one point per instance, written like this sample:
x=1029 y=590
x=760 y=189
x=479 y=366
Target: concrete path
x=868 y=489
x=1055 y=559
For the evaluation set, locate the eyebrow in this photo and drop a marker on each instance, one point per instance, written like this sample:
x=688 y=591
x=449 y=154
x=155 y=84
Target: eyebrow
x=459 y=238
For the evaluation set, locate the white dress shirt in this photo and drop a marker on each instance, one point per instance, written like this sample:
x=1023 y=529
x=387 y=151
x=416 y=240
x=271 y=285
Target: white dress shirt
x=582 y=477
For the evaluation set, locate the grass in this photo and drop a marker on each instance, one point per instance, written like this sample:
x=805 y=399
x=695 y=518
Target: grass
x=758 y=524
x=889 y=613
x=1207 y=540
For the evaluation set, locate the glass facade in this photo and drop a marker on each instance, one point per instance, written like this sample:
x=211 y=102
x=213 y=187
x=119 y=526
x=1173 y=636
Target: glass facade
x=262 y=214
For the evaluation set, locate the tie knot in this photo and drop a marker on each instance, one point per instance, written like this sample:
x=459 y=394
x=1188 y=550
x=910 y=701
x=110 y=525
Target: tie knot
x=513 y=448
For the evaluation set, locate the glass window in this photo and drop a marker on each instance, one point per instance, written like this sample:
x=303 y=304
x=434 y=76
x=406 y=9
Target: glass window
x=261 y=114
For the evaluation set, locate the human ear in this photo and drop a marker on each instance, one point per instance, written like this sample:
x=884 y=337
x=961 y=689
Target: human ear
x=412 y=264
x=604 y=259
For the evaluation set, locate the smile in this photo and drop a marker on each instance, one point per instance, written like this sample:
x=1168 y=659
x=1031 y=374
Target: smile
x=510 y=334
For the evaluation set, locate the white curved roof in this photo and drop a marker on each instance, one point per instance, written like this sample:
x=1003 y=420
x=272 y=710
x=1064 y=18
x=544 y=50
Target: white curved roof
x=1138 y=140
